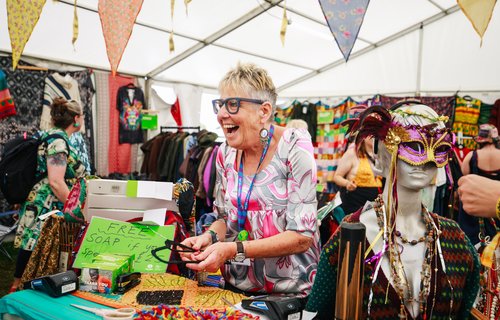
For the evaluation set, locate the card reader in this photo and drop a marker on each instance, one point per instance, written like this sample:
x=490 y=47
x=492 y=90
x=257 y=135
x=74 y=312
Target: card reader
x=275 y=307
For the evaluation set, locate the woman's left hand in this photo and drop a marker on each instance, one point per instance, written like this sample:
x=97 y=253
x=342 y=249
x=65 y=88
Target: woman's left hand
x=213 y=257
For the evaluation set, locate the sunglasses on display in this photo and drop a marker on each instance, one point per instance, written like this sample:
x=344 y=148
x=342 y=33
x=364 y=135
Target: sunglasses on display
x=232 y=104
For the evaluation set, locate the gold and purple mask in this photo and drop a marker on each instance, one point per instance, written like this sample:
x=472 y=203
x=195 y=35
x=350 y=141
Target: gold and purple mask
x=417 y=145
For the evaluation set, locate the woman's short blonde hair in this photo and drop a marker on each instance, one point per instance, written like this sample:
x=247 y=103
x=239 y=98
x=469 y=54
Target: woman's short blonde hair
x=251 y=80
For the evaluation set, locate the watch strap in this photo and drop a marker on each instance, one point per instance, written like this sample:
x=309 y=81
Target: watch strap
x=214 y=236
x=239 y=248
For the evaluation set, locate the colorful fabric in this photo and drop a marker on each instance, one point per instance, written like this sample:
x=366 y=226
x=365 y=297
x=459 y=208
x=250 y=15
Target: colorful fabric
x=22 y=16
x=442 y=105
x=344 y=19
x=175 y=110
x=7 y=107
x=283 y=198
x=283 y=115
x=466 y=119
x=41 y=199
x=462 y=271
x=117 y=19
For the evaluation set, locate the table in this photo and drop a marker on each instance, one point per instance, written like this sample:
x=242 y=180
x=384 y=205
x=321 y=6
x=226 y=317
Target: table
x=36 y=305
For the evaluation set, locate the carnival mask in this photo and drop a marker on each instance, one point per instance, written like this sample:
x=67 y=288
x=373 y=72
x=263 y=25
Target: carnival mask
x=418 y=145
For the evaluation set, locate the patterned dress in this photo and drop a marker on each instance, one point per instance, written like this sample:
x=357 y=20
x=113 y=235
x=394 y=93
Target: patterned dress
x=41 y=199
x=283 y=198
x=462 y=272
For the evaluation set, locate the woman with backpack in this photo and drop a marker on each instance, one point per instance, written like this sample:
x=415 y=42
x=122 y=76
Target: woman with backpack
x=58 y=170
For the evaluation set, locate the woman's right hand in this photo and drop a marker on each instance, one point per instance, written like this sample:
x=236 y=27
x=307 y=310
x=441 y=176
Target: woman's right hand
x=351 y=186
x=197 y=243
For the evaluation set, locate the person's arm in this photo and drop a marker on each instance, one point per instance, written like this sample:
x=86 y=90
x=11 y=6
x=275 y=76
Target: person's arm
x=479 y=195
x=465 y=166
x=344 y=167
x=56 y=169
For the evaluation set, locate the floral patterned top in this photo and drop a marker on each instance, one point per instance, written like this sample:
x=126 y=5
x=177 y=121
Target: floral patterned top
x=41 y=199
x=283 y=198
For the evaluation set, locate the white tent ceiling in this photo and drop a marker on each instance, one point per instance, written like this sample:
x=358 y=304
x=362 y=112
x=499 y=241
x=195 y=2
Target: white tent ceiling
x=404 y=46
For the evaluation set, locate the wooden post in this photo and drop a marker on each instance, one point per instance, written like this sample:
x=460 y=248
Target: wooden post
x=349 y=293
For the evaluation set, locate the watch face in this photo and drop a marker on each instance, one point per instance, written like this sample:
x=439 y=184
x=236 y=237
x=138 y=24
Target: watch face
x=239 y=257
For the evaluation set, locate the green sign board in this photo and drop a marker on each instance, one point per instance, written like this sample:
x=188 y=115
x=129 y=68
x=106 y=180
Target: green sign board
x=111 y=236
x=149 y=122
x=325 y=117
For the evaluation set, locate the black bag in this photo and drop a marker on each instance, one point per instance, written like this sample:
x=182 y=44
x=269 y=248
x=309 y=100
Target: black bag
x=18 y=167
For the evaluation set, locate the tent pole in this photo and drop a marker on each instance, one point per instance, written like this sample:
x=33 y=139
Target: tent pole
x=419 y=62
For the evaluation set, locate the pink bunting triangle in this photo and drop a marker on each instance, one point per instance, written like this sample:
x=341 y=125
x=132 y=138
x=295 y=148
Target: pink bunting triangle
x=344 y=17
x=117 y=19
x=22 y=16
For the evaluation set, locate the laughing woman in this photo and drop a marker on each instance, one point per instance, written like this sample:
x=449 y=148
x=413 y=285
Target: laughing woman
x=266 y=194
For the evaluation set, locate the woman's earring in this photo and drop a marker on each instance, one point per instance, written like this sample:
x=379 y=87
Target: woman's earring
x=263 y=135
x=76 y=124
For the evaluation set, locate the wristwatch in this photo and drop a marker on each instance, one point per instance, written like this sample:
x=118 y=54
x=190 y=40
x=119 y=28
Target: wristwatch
x=240 y=252
x=215 y=237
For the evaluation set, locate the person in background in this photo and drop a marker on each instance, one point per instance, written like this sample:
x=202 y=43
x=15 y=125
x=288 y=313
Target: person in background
x=483 y=162
x=266 y=195
x=355 y=177
x=297 y=124
x=59 y=168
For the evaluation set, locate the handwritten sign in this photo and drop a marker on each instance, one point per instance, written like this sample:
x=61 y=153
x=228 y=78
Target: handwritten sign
x=111 y=236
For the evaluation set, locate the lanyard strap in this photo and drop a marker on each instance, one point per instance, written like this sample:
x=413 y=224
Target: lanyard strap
x=242 y=209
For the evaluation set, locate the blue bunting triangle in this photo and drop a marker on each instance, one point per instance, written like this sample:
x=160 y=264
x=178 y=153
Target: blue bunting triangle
x=344 y=17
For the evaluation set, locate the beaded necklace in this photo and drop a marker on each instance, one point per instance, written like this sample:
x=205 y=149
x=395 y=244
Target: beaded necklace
x=398 y=274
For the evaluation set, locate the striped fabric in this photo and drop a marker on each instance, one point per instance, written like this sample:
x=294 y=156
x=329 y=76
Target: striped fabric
x=102 y=130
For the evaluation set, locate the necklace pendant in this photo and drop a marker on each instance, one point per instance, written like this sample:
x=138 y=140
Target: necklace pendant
x=414 y=242
x=243 y=235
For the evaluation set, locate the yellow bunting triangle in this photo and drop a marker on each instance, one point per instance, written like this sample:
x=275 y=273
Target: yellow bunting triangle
x=479 y=13
x=171 y=45
x=75 y=26
x=284 y=24
x=22 y=16
x=186 y=2
x=117 y=19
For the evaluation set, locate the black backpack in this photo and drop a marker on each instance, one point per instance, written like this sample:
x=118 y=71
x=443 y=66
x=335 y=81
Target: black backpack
x=18 y=167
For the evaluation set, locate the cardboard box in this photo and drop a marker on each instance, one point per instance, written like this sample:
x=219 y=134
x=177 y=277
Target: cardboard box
x=100 y=275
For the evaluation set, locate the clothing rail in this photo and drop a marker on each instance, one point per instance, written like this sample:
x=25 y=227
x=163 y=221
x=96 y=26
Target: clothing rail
x=162 y=128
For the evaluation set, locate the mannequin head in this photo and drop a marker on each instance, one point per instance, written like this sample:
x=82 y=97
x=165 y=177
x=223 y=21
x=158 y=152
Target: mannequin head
x=423 y=147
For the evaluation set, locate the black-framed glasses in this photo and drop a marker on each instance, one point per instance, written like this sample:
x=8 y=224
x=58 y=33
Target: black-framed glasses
x=232 y=104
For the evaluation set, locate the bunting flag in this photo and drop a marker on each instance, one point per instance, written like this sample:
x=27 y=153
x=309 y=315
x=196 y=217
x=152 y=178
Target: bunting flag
x=284 y=24
x=344 y=17
x=171 y=45
x=186 y=2
x=479 y=13
x=75 y=26
x=117 y=19
x=22 y=16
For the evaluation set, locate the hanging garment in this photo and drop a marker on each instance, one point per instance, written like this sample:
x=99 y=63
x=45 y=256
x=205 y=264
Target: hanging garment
x=66 y=87
x=103 y=122
x=130 y=102
x=26 y=88
x=307 y=112
x=7 y=107
x=118 y=154
x=87 y=91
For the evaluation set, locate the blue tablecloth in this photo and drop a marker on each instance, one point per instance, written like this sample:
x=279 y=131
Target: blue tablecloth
x=36 y=305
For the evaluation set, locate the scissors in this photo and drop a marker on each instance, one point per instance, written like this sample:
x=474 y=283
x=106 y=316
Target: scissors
x=121 y=313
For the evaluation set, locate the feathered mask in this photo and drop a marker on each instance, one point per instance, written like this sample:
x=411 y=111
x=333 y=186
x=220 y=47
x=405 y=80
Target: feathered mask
x=414 y=144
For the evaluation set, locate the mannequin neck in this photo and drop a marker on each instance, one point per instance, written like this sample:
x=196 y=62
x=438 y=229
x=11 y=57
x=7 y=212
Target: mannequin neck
x=409 y=200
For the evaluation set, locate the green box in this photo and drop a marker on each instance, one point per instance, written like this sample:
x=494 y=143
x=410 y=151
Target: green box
x=100 y=274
